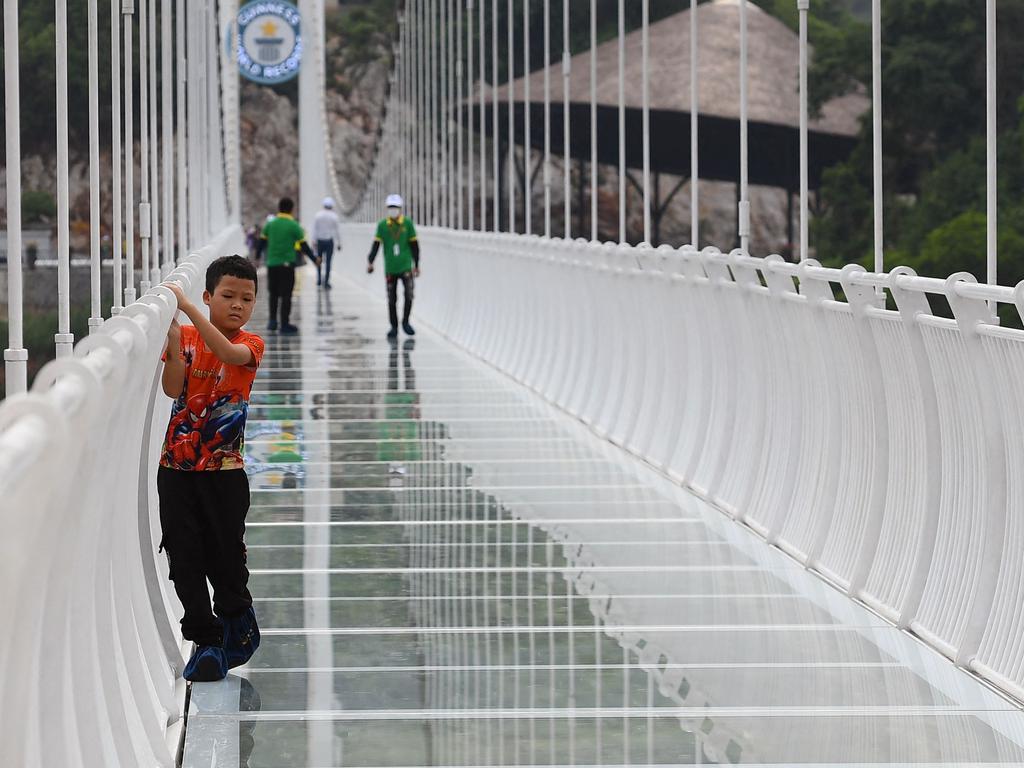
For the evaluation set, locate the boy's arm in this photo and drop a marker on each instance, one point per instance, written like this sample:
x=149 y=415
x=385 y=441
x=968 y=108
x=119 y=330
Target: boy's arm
x=226 y=352
x=173 y=378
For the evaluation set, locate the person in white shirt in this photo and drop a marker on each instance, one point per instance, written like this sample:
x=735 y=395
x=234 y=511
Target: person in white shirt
x=327 y=235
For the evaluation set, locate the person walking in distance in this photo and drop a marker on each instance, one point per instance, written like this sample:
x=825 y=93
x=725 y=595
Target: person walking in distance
x=397 y=234
x=327 y=234
x=282 y=238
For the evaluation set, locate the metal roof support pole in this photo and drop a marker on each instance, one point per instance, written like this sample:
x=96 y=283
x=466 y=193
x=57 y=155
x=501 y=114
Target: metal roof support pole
x=991 y=150
x=510 y=79
x=64 y=339
x=645 y=78
x=876 y=133
x=182 y=106
x=470 y=154
x=167 y=78
x=547 y=118
x=154 y=152
x=483 y=124
x=96 y=310
x=566 y=137
x=527 y=135
x=744 y=204
x=593 y=120
x=15 y=356
x=145 y=219
x=622 y=121
x=116 y=223
x=803 y=6
x=694 y=154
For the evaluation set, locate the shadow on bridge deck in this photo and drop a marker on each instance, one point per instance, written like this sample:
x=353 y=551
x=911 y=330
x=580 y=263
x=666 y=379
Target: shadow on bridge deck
x=449 y=572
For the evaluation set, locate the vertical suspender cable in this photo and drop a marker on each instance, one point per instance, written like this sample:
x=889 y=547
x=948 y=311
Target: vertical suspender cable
x=527 y=131
x=694 y=127
x=460 y=97
x=127 y=11
x=547 y=118
x=435 y=202
x=744 y=207
x=470 y=154
x=116 y=223
x=15 y=356
x=483 y=124
x=145 y=222
x=646 y=89
x=876 y=125
x=167 y=84
x=449 y=138
x=510 y=79
x=593 y=120
x=64 y=339
x=803 y=6
x=622 y=121
x=991 y=148
x=154 y=151
x=182 y=139
x=566 y=137
x=496 y=141
x=96 y=311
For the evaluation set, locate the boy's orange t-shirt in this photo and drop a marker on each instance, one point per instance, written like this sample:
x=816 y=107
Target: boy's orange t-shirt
x=207 y=426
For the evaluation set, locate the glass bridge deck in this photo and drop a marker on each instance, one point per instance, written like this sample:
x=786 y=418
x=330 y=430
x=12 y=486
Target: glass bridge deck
x=450 y=573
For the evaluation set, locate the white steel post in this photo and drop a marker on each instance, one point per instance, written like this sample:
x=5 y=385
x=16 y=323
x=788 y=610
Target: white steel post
x=168 y=141
x=496 y=141
x=622 y=121
x=803 y=6
x=527 y=134
x=876 y=131
x=645 y=88
x=744 y=207
x=95 y=268
x=694 y=128
x=547 y=118
x=510 y=79
x=63 y=339
x=154 y=156
x=145 y=220
x=116 y=222
x=593 y=120
x=991 y=149
x=182 y=138
x=15 y=356
x=566 y=136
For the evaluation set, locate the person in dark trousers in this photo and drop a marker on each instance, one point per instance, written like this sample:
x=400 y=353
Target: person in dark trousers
x=209 y=368
x=327 y=234
x=282 y=238
x=397 y=234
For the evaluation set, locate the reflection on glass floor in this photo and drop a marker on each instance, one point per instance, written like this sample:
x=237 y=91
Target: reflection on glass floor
x=449 y=573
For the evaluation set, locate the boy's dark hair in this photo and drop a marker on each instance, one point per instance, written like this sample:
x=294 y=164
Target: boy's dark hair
x=286 y=205
x=235 y=266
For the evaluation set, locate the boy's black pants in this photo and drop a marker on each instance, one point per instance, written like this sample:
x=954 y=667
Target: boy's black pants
x=282 y=283
x=202 y=517
x=408 y=285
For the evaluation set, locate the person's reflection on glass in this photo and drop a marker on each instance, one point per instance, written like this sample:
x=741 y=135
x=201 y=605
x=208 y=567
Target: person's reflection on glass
x=248 y=701
x=324 y=312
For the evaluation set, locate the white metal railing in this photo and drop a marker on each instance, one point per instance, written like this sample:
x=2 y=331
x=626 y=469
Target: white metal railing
x=91 y=656
x=879 y=447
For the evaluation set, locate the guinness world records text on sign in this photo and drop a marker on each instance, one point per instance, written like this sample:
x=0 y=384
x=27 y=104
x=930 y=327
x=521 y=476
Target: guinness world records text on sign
x=269 y=41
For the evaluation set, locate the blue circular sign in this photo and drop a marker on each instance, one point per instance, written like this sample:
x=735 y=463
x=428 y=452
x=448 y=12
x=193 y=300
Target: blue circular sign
x=269 y=41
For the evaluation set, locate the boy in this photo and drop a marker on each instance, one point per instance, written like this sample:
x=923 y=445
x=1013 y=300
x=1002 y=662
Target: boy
x=397 y=234
x=209 y=368
x=282 y=238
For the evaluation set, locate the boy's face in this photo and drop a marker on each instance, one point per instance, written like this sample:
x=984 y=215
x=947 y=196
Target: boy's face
x=231 y=303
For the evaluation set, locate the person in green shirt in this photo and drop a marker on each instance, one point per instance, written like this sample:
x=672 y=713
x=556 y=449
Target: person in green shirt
x=282 y=238
x=397 y=234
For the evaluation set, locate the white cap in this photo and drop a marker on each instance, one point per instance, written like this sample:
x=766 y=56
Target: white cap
x=328 y=202
x=270 y=216
x=394 y=201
